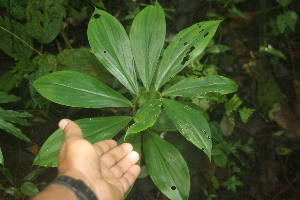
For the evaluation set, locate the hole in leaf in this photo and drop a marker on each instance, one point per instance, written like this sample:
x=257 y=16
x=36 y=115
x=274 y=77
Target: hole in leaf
x=187 y=56
x=173 y=187
x=206 y=34
x=204 y=131
x=201 y=31
x=96 y=16
x=208 y=137
x=104 y=51
x=185 y=43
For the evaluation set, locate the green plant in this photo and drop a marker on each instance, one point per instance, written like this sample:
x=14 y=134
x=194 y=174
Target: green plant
x=122 y=57
x=232 y=183
x=9 y=117
x=285 y=21
x=7 y=120
x=25 y=188
x=29 y=25
x=209 y=196
x=222 y=152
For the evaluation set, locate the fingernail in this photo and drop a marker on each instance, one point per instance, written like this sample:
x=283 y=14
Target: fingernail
x=63 y=123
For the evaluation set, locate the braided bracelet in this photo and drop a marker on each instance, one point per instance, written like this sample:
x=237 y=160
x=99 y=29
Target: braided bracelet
x=82 y=191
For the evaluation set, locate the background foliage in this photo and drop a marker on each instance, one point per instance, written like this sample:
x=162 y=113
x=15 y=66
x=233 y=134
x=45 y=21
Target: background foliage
x=255 y=133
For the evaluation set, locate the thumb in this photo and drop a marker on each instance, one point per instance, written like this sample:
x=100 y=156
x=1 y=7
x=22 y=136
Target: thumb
x=70 y=128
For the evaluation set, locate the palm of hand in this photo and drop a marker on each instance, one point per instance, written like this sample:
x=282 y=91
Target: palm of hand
x=109 y=170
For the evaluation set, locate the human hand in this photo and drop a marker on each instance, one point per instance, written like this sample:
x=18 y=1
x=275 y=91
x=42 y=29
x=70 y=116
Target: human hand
x=109 y=170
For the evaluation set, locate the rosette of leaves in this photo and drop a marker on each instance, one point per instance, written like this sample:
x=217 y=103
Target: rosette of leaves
x=132 y=60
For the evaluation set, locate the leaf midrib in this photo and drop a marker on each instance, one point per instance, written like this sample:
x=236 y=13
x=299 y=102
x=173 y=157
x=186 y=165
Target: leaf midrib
x=163 y=158
x=192 y=87
x=86 y=91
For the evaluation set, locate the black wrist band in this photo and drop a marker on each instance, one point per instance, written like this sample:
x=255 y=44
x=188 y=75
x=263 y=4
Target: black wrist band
x=82 y=191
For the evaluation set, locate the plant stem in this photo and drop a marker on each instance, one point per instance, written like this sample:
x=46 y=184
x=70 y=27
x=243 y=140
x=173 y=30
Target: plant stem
x=22 y=41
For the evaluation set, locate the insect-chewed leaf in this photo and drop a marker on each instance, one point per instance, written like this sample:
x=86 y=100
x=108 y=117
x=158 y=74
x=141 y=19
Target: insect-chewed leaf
x=147 y=35
x=195 y=87
x=111 y=45
x=78 y=90
x=190 y=123
x=44 y=19
x=10 y=44
x=146 y=116
x=166 y=166
x=94 y=130
x=185 y=47
x=84 y=61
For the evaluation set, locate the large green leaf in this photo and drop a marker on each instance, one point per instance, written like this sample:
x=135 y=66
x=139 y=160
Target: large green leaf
x=13 y=45
x=94 y=130
x=145 y=116
x=190 y=123
x=185 y=47
x=111 y=46
x=44 y=19
x=195 y=87
x=78 y=90
x=5 y=98
x=166 y=166
x=84 y=61
x=13 y=130
x=147 y=36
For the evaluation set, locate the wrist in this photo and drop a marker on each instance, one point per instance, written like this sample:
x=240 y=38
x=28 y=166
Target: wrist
x=89 y=182
x=57 y=192
x=82 y=191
